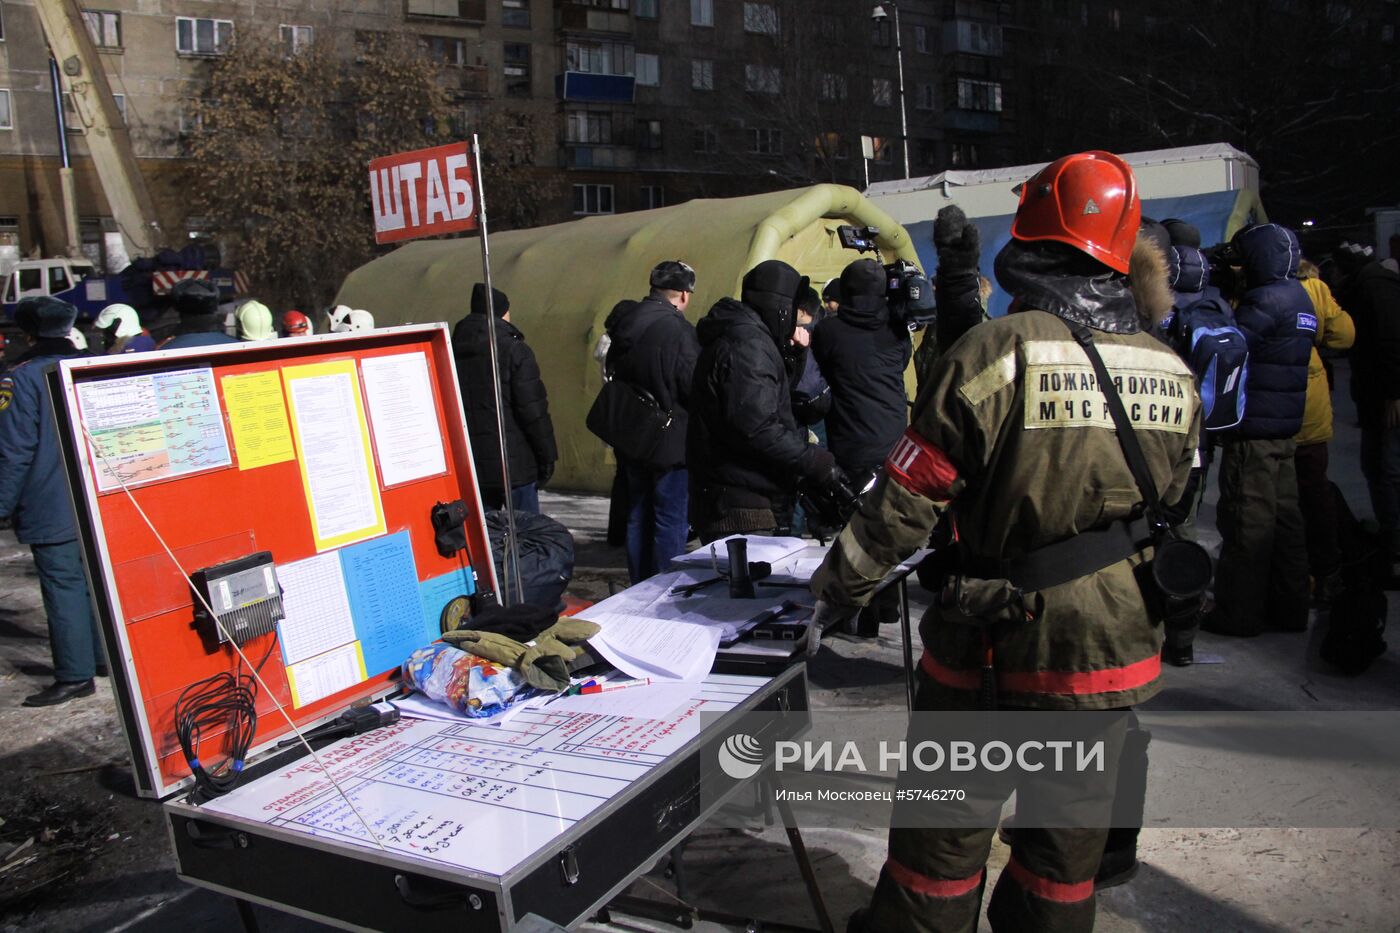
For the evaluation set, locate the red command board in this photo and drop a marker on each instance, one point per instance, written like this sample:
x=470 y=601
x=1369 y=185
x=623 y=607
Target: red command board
x=329 y=452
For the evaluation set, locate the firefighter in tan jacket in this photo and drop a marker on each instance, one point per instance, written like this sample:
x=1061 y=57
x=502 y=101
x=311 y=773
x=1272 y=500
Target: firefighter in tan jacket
x=1013 y=442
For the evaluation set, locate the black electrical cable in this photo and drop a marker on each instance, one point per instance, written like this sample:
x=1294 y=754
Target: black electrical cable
x=226 y=701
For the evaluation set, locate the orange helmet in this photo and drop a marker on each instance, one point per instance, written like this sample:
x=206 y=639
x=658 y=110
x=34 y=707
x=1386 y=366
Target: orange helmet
x=295 y=324
x=1088 y=200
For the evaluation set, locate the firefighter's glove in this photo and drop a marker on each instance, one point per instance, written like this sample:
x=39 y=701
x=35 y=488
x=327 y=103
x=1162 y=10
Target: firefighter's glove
x=828 y=616
x=958 y=242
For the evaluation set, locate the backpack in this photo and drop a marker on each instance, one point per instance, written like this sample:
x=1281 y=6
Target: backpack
x=1358 y=613
x=1206 y=337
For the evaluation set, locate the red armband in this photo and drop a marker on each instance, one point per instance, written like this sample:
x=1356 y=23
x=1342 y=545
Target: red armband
x=921 y=467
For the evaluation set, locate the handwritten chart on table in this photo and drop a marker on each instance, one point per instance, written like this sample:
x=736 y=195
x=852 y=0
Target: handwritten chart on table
x=153 y=426
x=481 y=798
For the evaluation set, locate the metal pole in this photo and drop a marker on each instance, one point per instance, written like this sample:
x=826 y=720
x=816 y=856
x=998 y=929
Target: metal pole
x=903 y=109
x=65 y=172
x=512 y=555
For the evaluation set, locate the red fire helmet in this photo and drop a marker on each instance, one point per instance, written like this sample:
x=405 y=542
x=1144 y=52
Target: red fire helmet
x=1088 y=200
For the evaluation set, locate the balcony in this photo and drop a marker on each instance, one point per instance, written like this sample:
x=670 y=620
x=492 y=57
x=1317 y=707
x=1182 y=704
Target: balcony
x=476 y=81
x=972 y=37
x=466 y=11
x=572 y=17
x=595 y=88
x=595 y=156
x=972 y=121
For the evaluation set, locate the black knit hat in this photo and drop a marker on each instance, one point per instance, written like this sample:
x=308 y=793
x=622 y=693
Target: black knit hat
x=499 y=302
x=45 y=317
x=863 y=285
x=1182 y=233
x=673 y=275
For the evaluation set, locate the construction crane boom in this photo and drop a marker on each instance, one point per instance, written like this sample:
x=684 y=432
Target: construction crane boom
x=108 y=141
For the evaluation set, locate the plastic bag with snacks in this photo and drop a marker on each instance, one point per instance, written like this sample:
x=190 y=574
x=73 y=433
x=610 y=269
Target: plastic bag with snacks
x=470 y=685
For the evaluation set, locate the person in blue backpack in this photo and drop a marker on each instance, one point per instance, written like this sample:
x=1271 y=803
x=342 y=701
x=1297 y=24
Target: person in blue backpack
x=34 y=494
x=1262 y=576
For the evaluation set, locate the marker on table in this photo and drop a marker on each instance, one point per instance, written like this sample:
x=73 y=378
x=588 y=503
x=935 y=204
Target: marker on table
x=609 y=687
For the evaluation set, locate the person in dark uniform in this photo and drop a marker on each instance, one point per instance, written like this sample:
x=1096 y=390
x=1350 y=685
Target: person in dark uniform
x=34 y=495
x=200 y=325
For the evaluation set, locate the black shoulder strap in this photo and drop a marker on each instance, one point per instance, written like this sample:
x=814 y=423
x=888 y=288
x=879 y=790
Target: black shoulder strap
x=1127 y=437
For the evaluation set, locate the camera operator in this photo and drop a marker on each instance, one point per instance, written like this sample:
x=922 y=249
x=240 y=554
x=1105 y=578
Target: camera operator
x=862 y=351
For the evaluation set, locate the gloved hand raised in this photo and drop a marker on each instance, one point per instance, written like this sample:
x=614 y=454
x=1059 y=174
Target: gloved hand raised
x=958 y=242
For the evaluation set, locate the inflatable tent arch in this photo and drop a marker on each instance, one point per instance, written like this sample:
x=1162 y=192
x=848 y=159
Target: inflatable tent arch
x=563 y=280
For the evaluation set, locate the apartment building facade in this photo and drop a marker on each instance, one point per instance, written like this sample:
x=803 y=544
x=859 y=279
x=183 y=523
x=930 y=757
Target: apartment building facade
x=652 y=101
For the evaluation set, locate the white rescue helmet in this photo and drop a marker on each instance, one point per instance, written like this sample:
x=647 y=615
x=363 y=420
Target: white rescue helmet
x=124 y=316
x=335 y=318
x=356 y=321
x=76 y=338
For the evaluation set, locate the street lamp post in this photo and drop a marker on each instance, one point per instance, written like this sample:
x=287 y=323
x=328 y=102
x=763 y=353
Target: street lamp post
x=878 y=14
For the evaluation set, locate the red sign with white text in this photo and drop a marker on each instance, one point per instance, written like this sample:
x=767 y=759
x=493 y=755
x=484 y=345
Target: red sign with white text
x=422 y=193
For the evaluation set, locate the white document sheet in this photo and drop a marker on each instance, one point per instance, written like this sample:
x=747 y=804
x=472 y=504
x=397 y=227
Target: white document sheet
x=712 y=606
x=333 y=454
x=760 y=548
x=646 y=647
x=317 y=606
x=317 y=678
x=403 y=416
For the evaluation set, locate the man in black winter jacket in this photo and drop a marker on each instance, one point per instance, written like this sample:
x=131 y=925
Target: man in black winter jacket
x=654 y=348
x=1262 y=575
x=863 y=353
x=530 y=448
x=1371 y=294
x=745 y=449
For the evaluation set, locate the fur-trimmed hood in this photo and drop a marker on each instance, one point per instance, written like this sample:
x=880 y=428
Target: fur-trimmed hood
x=1148 y=278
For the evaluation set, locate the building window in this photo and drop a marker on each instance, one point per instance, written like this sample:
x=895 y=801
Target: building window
x=882 y=91
x=979 y=95
x=649 y=134
x=761 y=18
x=105 y=27
x=884 y=149
x=599 y=58
x=120 y=101
x=702 y=74
x=702 y=12
x=2 y=23
x=446 y=9
x=963 y=155
x=924 y=97
x=295 y=39
x=881 y=32
x=445 y=50
x=765 y=141
x=921 y=40
x=515 y=13
x=7 y=118
x=1387 y=32
x=593 y=199
x=202 y=36
x=834 y=87
x=653 y=196
x=582 y=126
x=517 y=69
x=763 y=79
x=648 y=69
x=705 y=139
x=645 y=9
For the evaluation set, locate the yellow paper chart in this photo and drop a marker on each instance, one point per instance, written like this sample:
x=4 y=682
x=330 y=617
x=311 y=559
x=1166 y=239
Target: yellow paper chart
x=333 y=452
x=257 y=415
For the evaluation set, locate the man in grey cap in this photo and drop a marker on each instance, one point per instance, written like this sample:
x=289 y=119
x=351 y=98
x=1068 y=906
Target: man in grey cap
x=200 y=325
x=654 y=348
x=34 y=495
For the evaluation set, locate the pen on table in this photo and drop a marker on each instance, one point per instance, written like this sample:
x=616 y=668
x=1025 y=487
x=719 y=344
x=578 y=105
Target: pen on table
x=609 y=687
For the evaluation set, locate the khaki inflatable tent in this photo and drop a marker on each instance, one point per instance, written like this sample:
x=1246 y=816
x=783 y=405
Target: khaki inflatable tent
x=565 y=279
